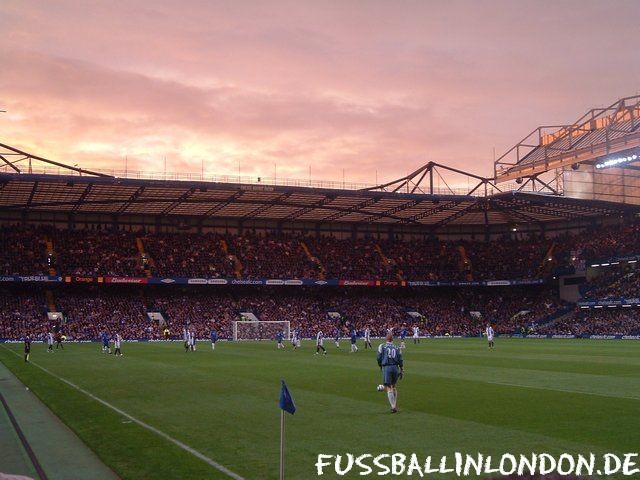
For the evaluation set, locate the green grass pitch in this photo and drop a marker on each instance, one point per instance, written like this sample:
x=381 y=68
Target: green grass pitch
x=526 y=396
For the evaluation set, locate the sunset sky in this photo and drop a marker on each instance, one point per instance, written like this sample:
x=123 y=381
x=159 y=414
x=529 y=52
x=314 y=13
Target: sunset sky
x=359 y=85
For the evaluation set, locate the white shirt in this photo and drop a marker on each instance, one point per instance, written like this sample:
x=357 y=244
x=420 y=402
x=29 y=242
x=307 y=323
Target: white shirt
x=320 y=338
x=415 y=331
x=489 y=332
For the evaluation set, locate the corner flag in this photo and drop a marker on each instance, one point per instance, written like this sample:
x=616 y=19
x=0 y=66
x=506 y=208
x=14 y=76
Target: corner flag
x=286 y=405
x=286 y=402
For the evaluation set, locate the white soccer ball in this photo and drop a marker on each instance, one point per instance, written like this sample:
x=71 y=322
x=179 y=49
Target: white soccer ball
x=380 y=388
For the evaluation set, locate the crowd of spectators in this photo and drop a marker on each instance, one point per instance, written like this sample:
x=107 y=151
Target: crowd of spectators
x=506 y=258
x=426 y=260
x=187 y=255
x=96 y=253
x=117 y=253
x=621 y=281
x=603 y=321
x=23 y=312
x=272 y=256
x=598 y=243
x=23 y=251
x=90 y=311
x=350 y=258
x=34 y=250
x=443 y=311
x=93 y=253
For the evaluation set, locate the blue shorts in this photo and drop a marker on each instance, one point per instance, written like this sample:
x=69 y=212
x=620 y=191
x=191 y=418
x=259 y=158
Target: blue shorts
x=390 y=375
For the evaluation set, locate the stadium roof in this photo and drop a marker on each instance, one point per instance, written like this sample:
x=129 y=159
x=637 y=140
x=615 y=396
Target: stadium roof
x=114 y=196
x=411 y=200
x=598 y=133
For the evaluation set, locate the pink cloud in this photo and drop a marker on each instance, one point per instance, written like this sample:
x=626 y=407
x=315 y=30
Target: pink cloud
x=363 y=86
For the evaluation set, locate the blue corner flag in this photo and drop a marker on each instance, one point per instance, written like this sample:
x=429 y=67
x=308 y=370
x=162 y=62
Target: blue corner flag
x=286 y=402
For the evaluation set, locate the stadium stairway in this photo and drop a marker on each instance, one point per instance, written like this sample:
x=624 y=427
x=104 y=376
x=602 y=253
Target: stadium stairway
x=147 y=262
x=51 y=301
x=558 y=315
x=548 y=262
x=50 y=254
x=388 y=263
x=465 y=264
x=237 y=264
x=315 y=260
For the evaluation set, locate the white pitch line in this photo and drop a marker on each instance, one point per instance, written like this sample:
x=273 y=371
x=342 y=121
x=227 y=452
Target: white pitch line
x=564 y=390
x=160 y=433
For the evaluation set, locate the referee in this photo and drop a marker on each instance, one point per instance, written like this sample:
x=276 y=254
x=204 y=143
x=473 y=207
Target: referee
x=27 y=348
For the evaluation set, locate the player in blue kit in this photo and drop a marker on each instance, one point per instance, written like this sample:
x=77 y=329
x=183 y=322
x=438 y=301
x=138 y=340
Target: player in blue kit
x=105 y=343
x=337 y=337
x=403 y=337
x=280 y=336
x=392 y=367
x=354 y=339
x=214 y=339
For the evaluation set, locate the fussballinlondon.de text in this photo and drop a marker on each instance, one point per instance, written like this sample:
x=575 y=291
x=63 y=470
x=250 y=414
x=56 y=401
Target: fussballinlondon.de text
x=463 y=465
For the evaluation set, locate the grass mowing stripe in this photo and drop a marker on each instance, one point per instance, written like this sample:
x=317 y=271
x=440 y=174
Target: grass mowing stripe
x=472 y=377
x=160 y=433
x=224 y=404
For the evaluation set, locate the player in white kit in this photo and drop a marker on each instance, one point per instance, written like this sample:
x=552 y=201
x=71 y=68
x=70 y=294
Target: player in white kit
x=416 y=334
x=49 y=342
x=490 y=334
x=116 y=344
x=192 y=341
x=320 y=343
x=367 y=338
x=185 y=338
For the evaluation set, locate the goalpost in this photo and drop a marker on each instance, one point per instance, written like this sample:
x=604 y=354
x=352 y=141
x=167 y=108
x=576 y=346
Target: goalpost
x=259 y=330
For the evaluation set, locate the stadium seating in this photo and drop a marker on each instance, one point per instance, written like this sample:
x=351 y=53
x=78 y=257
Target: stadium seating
x=251 y=255
x=615 y=282
x=605 y=321
x=45 y=250
x=90 y=310
x=23 y=251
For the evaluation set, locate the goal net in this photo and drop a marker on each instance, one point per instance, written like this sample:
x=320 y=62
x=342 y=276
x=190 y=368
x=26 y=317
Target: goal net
x=258 y=330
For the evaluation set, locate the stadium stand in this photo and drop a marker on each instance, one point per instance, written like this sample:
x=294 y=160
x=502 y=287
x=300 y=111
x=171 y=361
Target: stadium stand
x=107 y=252
x=446 y=311
x=610 y=322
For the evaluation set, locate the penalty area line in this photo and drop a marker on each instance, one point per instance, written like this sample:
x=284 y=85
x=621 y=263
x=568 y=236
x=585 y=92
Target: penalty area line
x=160 y=433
